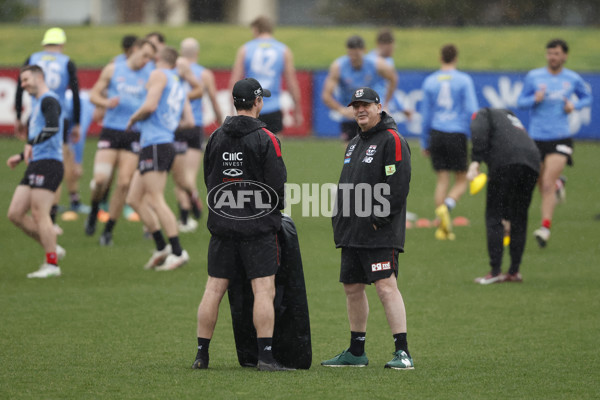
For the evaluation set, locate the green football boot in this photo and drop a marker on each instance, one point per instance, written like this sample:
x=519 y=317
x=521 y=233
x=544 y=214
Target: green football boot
x=401 y=360
x=347 y=359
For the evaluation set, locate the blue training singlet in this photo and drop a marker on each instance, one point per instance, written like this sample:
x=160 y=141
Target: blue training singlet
x=264 y=61
x=51 y=148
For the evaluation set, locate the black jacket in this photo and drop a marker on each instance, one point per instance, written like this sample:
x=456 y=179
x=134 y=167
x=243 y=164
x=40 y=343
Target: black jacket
x=499 y=139
x=245 y=177
x=378 y=156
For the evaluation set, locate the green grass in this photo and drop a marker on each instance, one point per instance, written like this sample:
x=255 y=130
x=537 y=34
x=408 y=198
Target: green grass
x=108 y=329
x=512 y=49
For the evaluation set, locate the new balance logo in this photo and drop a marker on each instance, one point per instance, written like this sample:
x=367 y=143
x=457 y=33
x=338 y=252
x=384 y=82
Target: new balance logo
x=406 y=362
x=267 y=348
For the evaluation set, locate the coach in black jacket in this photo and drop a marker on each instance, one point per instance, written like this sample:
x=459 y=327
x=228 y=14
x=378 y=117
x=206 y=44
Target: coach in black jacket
x=500 y=140
x=245 y=177
x=369 y=225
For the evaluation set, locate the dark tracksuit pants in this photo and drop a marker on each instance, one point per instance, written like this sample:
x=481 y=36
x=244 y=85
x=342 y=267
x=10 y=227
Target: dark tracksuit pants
x=509 y=194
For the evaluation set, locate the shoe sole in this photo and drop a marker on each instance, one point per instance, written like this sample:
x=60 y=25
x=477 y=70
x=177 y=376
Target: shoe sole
x=399 y=368
x=541 y=242
x=344 y=366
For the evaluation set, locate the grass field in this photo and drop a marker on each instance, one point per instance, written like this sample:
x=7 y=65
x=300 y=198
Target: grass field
x=109 y=329
x=497 y=49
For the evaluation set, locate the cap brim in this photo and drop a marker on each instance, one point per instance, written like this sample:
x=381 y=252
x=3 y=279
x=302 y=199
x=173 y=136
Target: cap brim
x=361 y=101
x=266 y=93
x=477 y=183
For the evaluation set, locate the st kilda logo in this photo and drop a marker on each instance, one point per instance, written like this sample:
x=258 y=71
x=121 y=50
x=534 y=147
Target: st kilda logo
x=242 y=200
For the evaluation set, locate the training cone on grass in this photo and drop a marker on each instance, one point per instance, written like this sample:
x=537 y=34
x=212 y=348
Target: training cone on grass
x=69 y=216
x=477 y=183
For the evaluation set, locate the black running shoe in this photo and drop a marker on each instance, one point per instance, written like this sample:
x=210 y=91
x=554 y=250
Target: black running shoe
x=199 y=363
x=106 y=239
x=90 y=225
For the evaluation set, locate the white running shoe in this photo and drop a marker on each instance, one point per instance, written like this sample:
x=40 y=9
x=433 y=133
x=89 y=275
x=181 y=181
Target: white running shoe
x=158 y=257
x=45 y=271
x=190 y=226
x=489 y=278
x=60 y=252
x=542 y=235
x=173 y=262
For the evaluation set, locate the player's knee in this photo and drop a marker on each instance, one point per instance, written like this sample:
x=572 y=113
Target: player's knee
x=14 y=216
x=102 y=173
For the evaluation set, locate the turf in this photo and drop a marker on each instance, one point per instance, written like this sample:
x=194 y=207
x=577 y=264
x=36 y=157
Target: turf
x=108 y=329
x=495 y=49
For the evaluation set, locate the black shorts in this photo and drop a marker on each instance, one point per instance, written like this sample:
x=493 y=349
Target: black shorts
x=448 y=151
x=156 y=157
x=368 y=265
x=273 y=120
x=349 y=130
x=119 y=140
x=190 y=138
x=561 y=146
x=43 y=174
x=258 y=256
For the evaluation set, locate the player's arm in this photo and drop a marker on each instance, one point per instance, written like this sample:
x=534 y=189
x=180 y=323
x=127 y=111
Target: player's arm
x=50 y=108
x=186 y=73
x=155 y=86
x=527 y=97
x=237 y=71
x=20 y=131
x=15 y=160
x=389 y=73
x=97 y=96
x=208 y=79
x=74 y=84
x=293 y=87
x=584 y=95
x=187 y=116
x=331 y=82
x=480 y=127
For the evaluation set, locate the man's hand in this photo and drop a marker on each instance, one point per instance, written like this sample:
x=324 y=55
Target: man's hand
x=298 y=116
x=540 y=94
x=112 y=102
x=473 y=171
x=28 y=153
x=75 y=135
x=569 y=106
x=13 y=161
x=20 y=131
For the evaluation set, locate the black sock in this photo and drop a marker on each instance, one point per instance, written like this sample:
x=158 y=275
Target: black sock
x=94 y=210
x=53 y=212
x=159 y=240
x=183 y=215
x=75 y=200
x=401 y=343
x=203 y=349
x=357 y=343
x=175 y=246
x=110 y=224
x=265 y=349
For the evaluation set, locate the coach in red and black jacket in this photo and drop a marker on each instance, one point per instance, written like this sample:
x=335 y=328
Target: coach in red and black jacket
x=369 y=225
x=377 y=155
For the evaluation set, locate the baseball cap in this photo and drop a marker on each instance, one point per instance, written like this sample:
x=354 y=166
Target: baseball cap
x=249 y=89
x=54 y=36
x=366 y=95
x=355 y=42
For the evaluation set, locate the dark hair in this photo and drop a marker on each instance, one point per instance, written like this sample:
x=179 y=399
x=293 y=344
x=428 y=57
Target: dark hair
x=33 y=68
x=139 y=43
x=449 y=53
x=262 y=24
x=128 y=41
x=385 y=36
x=355 y=42
x=558 y=42
x=169 y=55
x=159 y=36
x=244 y=105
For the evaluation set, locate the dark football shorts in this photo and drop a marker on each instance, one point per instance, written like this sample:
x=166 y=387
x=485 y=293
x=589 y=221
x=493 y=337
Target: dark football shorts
x=368 y=265
x=119 y=140
x=561 y=146
x=43 y=174
x=190 y=138
x=273 y=120
x=259 y=256
x=156 y=157
x=448 y=151
x=349 y=130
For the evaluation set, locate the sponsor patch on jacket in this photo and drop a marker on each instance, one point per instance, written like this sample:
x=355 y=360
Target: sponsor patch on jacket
x=372 y=150
x=390 y=170
x=347 y=160
x=380 y=266
x=350 y=150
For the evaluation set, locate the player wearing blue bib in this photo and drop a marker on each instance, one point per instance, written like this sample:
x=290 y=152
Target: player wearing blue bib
x=188 y=142
x=120 y=90
x=267 y=60
x=60 y=73
x=552 y=93
x=43 y=154
x=348 y=73
x=159 y=117
x=448 y=102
